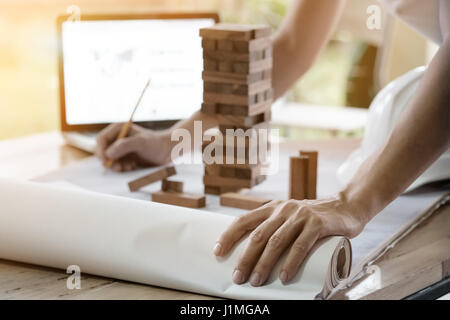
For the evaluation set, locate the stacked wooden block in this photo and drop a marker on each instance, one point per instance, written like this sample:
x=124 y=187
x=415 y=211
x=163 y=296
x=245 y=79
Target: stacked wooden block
x=238 y=91
x=303 y=176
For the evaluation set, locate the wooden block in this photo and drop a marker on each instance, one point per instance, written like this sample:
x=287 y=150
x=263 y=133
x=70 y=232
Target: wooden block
x=234 y=56
x=267 y=74
x=212 y=97
x=248 y=121
x=311 y=177
x=236 y=110
x=225 y=45
x=236 y=78
x=225 y=66
x=224 y=127
x=237 y=89
x=214 y=190
x=297 y=177
x=252 y=66
x=218 y=181
x=150 y=178
x=172 y=185
x=210 y=65
x=244 y=100
x=209 y=108
x=180 y=199
x=252 y=45
x=235 y=32
x=242 y=201
x=233 y=171
x=267 y=53
x=208 y=44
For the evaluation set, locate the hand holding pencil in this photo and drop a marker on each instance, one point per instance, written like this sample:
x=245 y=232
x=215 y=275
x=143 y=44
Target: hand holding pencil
x=126 y=126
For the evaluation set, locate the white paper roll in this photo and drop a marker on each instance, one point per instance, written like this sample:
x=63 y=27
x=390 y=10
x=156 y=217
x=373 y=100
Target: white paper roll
x=136 y=240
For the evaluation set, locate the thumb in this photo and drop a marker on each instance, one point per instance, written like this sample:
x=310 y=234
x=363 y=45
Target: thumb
x=122 y=147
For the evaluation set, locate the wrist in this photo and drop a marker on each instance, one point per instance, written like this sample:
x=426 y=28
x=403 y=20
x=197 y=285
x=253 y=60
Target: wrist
x=358 y=206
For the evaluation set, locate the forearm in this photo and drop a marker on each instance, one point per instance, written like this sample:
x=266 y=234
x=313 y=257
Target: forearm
x=303 y=33
x=420 y=136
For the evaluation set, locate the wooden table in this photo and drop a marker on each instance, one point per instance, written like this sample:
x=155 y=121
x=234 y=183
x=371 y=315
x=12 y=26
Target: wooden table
x=419 y=260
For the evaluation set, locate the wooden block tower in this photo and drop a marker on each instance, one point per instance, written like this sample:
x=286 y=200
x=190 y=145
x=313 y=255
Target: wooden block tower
x=237 y=80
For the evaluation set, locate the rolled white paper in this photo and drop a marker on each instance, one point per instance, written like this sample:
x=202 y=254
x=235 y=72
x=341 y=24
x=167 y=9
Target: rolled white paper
x=135 y=240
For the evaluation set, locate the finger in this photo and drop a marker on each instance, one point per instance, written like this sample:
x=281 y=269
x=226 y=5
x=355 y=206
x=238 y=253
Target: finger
x=240 y=226
x=300 y=248
x=123 y=147
x=105 y=138
x=128 y=165
x=276 y=245
x=255 y=246
x=116 y=166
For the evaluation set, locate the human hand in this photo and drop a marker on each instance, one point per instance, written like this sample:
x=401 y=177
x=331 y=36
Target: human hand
x=141 y=147
x=279 y=225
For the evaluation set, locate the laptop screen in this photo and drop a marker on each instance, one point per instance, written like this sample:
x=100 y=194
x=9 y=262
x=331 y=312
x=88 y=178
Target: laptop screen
x=108 y=62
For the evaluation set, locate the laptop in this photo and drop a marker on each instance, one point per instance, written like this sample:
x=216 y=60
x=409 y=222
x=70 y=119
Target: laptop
x=105 y=61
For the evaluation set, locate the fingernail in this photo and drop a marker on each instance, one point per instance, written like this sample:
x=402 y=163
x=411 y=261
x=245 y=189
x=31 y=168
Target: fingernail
x=283 y=276
x=238 y=277
x=217 y=249
x=255 y=279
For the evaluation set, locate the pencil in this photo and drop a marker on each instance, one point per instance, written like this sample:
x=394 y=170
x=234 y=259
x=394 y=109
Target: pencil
x=126 y=126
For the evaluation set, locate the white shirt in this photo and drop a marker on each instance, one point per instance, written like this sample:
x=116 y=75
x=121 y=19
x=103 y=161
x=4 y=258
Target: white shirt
x=421 y=15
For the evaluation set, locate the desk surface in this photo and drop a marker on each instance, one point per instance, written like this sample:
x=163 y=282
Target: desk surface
x=419 y=260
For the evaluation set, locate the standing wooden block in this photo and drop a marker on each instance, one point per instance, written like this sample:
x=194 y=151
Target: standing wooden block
x=172 y=185
x=180 y=199
x=297 y=177
x=242 y=201
x=311 y=178
x=150 y=178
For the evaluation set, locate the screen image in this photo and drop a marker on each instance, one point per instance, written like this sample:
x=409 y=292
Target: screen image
x=107 y=64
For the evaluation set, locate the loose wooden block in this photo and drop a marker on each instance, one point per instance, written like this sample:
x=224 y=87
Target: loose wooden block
x=151 y=178
x=180 y=199
x=242 y=201
x=311 y=177
x=235 y=32
x=172 y=185
x=297 y=177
